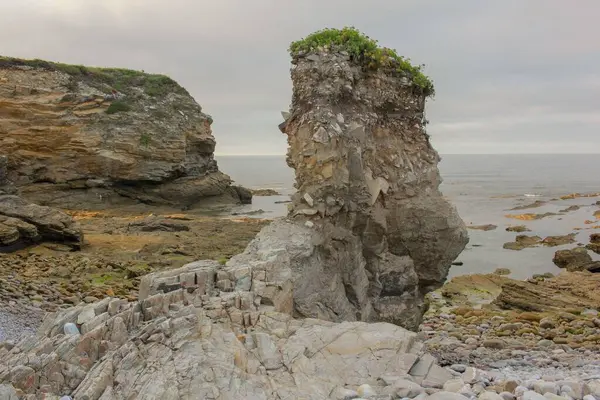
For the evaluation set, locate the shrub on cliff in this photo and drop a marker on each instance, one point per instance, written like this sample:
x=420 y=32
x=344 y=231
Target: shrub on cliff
x=363 y=50
x=118 y=106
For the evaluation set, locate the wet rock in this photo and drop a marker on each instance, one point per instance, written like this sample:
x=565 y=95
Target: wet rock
x=573 y=259
x=518 y=228
x=488 y=227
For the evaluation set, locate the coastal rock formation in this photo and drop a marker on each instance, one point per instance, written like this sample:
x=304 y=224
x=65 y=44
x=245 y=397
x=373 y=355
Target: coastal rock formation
x=192 y=336
x=23 y=223
x=368 y=232
x=576 y=259
x=79 y=137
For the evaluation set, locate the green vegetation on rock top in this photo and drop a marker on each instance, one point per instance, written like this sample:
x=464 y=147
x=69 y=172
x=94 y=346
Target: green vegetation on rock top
x=363 y=50
x=119 y=79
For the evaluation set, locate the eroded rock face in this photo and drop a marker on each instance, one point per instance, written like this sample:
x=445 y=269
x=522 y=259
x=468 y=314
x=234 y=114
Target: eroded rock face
x=87 y=137
x=380 y=235
x=197 y=333
x=23 y=223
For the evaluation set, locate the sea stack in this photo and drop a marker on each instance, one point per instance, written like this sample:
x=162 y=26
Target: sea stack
x=368 y=232
x=84 y=137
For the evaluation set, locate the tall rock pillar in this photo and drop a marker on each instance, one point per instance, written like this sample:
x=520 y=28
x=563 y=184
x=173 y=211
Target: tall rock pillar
x=381 y=234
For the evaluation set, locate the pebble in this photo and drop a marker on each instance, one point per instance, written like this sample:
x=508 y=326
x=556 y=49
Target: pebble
x=454 y=385
x=531 y=395
x=458 y=367
x=366 y=391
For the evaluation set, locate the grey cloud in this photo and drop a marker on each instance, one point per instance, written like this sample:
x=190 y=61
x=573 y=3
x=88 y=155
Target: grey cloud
x=511 y=76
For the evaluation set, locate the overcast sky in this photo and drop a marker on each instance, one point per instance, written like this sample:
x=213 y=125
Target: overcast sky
x=512 y=76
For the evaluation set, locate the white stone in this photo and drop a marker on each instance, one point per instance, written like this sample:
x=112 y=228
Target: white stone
x=403 y=388
x=507 y=396
x=490 y=396
x=366 y=391
x=531 y=395
x=446 y=396
x=552 y=396
x=453 y=385
x=87 y=314
x=544 y=387
x=309 y=200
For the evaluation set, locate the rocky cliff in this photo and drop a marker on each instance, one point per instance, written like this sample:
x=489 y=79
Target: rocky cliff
x=369 y=233
x=89 y=137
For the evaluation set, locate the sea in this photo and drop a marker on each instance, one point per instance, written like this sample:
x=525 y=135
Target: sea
x=483 y=188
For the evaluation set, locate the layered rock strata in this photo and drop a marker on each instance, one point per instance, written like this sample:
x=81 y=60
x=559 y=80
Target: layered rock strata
x=369 y=233
x=23 y=223
x=198 y=333
x=79 y=137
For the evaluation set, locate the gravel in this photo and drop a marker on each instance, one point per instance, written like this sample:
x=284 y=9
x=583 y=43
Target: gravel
x=14 y=325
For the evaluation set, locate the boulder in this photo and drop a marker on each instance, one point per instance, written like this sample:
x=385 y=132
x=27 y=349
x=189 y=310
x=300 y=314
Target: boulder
x=23 y=223
x=92 y=138
x=572 y=259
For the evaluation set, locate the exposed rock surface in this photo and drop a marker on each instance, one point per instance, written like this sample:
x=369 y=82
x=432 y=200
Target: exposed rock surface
x=89 y=137
x=594 y=244
x=524 y=241
x=197 y=333
x=23 y=223
x=370 y=234
x=576 y=259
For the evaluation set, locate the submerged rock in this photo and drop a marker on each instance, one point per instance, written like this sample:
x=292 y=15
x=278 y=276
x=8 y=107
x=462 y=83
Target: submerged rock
x=488 y=227
x=518 y=228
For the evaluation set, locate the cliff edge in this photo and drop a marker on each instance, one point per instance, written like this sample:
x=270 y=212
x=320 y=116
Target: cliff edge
x=83 y=137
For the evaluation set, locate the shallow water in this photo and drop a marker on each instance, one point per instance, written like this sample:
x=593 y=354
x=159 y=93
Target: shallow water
x=483 y=188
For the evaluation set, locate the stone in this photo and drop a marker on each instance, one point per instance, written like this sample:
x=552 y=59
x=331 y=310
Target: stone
x=507 y=396
x=547 y=323
x=366 y=391
x=402 y=388
x=489 y=396
x=494 y=343
x=572 y=260
x=458 y=367
x=8 y=393
x=552 y=396
x=446 y=396
x=87 y=314
x=453 y=385
x=544 y=387
x=531 y=395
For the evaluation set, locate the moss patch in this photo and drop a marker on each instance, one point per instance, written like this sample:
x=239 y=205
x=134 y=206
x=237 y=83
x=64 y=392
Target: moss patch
x=118 y=106
x=364 y=50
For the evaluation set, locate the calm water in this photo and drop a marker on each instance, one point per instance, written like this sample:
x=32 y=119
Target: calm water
x=483 y=188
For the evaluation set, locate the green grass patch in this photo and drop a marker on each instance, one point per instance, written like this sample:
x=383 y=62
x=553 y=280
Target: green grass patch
x=145 y=139
x=118 y=106
x=119 y=79
x=365 y=51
